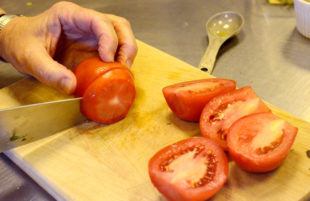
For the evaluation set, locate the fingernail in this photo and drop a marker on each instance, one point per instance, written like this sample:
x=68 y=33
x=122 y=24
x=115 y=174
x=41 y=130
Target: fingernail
x=106 y=56
x=111 y=58
x=128 y=63
x=66 y=85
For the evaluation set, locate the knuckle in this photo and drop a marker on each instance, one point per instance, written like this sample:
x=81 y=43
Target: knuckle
x=63 y=4
x=118 y=20
x=124 y=21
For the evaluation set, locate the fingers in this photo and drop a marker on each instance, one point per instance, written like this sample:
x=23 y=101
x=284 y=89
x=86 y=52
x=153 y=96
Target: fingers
x=127 y=42
x=114 y=34
x=115 y=38
x=81 y=25
x=107 y=38
x=41 y=66
x=35 y=59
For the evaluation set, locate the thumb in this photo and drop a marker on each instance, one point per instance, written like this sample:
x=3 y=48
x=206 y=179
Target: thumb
x=41 y=66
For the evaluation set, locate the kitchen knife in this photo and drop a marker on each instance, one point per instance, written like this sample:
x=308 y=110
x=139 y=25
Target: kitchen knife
x=24 y=124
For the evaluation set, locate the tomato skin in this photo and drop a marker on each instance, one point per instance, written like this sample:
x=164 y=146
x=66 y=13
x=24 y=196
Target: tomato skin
x=165 y=182
x=107 y=89
x=220 y=113
x=187 y=99
x=249 y=157
x=109 y=98
x=90 y=69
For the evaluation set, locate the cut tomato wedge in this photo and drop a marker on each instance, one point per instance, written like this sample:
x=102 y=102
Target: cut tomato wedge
x=260 y=142
x=189 y=170
x=187 y=99
x=223 y=110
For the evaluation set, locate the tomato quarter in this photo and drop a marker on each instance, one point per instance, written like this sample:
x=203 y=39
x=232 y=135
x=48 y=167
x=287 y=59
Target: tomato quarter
x=187 y=99
x=260 y=142
x=223 y=110
x=108 y=90
x=189 y=170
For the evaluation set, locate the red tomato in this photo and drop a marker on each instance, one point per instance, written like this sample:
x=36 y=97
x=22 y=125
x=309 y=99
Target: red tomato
x=220 y=113
x=109 y=98
x=187 y=99
x=107 y=88
x=260 y=142
x=90 y=69
x=189 y=170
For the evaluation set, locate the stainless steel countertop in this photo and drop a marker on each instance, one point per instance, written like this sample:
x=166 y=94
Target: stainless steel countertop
x=268 y=54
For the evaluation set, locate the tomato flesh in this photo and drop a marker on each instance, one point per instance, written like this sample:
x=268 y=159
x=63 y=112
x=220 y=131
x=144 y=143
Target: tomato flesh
x=223 y=110
x=260 y=142
x=189 y=170
x=187 y=99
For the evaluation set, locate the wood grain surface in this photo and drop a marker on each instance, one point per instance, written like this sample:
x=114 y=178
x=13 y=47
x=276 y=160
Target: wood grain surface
x=109 y=162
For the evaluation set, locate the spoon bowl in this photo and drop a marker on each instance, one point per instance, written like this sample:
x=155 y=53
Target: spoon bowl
x=219 y=27
x=225 y=24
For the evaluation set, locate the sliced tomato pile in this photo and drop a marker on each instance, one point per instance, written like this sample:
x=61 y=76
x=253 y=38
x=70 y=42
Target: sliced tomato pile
x=189 y=170
x=108 y=90
x=187 y=99
x=233 y=120
x=260 y=142
x=222 y=111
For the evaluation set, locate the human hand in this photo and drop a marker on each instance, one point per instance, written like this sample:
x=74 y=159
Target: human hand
x=46 y=45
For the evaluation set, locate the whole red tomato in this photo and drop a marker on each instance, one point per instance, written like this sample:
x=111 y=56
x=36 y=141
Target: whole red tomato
x=90 y=69
x=107 y=89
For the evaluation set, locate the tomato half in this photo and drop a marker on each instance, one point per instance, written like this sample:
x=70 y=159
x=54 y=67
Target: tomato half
x=193 y=169
x=90 y=69
x=108 y=90
x=223 y=110
x=187 y=99
x=260 y=142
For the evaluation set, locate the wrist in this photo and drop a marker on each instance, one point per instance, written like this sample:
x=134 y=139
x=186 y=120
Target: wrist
x=4 y=20
x=2 y=12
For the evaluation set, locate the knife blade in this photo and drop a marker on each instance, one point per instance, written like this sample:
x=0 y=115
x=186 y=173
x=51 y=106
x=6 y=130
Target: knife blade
x=28 y=123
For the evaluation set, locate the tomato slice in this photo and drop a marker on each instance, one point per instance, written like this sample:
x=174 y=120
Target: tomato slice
x=90 y=69
x=187 y=99
x=222 y=111
x=193 y=169
x=109 y=98
x=260 y=142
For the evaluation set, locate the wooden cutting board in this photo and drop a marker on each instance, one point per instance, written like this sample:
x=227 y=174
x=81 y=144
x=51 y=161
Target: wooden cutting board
x=109 y=162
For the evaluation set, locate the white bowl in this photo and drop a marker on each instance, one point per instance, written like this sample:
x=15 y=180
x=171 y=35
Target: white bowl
x=302 y=12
